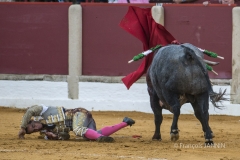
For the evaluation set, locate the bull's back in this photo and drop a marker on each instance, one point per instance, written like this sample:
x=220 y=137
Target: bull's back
x=173 y=70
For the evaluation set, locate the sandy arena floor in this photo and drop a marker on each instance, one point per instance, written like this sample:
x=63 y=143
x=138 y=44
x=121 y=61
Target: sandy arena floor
x=189 y=146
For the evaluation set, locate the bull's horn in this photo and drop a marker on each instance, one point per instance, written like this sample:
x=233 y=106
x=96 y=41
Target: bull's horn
x=211 y=63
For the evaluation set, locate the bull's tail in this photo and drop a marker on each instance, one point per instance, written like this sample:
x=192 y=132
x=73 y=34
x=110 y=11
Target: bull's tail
x=217 y=97
x=214 y=97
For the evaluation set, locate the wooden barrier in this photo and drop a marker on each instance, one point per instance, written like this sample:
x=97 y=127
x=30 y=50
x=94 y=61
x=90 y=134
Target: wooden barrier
x=34 y=37
x=202 y=26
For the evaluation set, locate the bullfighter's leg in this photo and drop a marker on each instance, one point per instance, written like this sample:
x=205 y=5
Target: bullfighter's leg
x=172 y=100
x=203 y=102
x=108 y=130
x=102 y=134
x=79 y=119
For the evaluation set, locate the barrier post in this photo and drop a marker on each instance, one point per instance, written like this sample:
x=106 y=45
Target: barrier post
x=158 y=14
x=235 y=84
x=74 y=50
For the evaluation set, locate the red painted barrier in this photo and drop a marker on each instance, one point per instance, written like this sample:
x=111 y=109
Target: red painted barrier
x=34 y=38
x=206 y=27
x=107 y=48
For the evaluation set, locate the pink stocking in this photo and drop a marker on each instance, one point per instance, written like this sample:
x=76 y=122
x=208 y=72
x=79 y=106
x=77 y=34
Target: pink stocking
x=106 y=131
x=92 y=134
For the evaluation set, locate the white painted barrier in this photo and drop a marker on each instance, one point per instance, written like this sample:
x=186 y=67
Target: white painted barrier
x=94 y=96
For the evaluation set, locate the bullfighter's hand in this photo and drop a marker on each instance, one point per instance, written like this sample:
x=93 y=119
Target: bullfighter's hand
x=21 y=133
x=51 y=135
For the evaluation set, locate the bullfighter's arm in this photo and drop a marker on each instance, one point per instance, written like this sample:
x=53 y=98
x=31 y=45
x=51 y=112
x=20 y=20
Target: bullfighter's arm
x=32 y=111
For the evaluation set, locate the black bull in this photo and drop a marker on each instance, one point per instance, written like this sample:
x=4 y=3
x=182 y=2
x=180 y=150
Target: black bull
x=176 y=76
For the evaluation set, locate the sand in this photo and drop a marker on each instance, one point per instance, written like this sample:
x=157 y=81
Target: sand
x=189 y=146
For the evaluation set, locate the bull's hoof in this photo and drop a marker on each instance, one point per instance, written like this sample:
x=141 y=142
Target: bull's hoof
x=209 y=142
x=174 y=135
x=156 y=137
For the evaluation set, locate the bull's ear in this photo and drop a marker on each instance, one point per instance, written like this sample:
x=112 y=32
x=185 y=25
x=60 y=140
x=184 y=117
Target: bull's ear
x=189 y=53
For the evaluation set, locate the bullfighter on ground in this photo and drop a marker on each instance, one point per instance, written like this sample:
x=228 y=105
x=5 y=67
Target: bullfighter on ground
x=57 y=122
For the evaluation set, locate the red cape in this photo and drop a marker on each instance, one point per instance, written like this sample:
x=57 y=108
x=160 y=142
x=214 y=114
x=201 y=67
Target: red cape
x=139 y=23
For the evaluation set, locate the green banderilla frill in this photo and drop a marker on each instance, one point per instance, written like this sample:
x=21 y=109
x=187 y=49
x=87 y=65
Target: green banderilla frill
x=156 y=47
x=145 y=53
x=210 y=69
x=139 y=56
x=211 y=54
